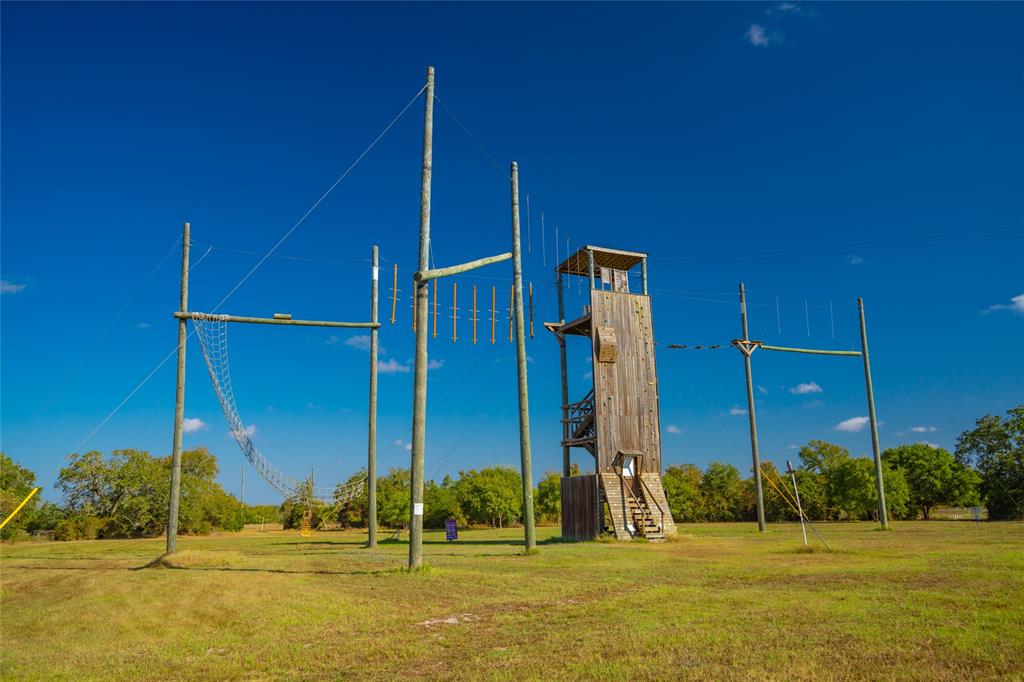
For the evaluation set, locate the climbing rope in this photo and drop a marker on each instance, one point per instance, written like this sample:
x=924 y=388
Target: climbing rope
x=212 y=332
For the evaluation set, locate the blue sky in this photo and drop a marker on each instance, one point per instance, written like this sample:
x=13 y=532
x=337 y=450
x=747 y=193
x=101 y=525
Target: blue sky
x=816 y=152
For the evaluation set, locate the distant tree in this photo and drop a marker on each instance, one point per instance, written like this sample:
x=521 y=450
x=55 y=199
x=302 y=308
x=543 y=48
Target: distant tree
x=723 y=494
x=351 y=512
x=129 y=493
x=548 y=497
x=493 y=495
x=683 y=489
x=440 y=503
x=995 y=447
x=16 y=482
x=261 y=513
x=933 y=476
x=393 y=499
x=851 y=485
x=821 y=457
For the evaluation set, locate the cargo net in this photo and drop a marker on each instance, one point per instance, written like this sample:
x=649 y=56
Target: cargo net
x=212 y=331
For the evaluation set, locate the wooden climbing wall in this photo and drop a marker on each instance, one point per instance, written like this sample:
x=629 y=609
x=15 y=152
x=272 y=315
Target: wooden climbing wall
x=625 y=389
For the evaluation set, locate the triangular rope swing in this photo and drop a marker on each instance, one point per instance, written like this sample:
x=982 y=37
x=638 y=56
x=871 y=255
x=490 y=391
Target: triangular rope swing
x=212 y=331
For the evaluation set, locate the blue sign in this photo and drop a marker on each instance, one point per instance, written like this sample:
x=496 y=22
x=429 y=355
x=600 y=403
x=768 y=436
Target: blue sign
x=451 y=530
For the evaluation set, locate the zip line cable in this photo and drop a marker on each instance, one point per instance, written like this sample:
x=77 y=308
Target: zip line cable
x=259 y=263
x=504 y=173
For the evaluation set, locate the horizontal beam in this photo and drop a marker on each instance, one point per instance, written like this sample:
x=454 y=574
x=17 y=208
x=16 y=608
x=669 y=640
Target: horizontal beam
x=272 y=320
x=424 y=275
x=810 y=351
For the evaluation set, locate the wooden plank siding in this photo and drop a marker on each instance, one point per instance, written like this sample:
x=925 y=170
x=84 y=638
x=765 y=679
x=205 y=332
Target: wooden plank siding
x=626 y=390
x=579 y=507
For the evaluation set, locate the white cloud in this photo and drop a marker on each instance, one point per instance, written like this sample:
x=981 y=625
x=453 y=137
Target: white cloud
x=923 y=429
x=794 y=447
x=854 y=259
x=10 y=287
x=435 y=364
x=852 y=425
x=359 y=342
x=362 y=342
x=672 y=428
x=757 y=36
x=736 y=411
x=1016 y=305
x=392 y=366
x=761 y=389
x=792 y=9
x=398 y=442
x=408 y=446
x=928 y=443
x=588 y=376
x=805 y=388
x=193 y=424
x=143 y=325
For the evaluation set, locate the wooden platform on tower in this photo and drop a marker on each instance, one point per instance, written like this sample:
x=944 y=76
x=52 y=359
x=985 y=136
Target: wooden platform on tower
x=617 y=421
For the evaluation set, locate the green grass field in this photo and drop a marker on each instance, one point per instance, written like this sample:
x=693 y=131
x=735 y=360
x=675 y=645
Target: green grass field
x=928 y=601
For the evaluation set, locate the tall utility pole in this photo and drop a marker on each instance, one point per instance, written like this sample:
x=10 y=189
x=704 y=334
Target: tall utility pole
x=419 y=405
x=883 y=516
x=747 y=349
x=524 y=400
x=371 y=449
x=179 y=402
x=566 y=456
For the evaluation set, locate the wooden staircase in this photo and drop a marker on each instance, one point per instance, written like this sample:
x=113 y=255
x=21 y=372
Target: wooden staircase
x=634 y=515
x=643 y=520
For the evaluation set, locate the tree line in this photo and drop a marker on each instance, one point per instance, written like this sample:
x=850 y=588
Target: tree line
x=126 y=494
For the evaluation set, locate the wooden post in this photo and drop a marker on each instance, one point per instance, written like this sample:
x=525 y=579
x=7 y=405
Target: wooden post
x=524 y=400
x=394 y=294
x=455 y=311
x=419 y=404
x=643 y=275
x=371 y=450
x=566 y=456
x=590 y=267
x=883 y=515
x=179 y=402
x=751 y=415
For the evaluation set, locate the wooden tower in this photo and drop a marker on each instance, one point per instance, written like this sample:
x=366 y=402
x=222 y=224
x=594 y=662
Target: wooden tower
x=617 y=420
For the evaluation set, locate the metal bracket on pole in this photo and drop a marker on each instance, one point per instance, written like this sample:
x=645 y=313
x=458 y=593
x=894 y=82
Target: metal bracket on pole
x=746 y=346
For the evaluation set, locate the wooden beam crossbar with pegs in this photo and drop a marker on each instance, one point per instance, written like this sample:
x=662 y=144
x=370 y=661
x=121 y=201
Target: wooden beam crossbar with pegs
x=420 y=363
